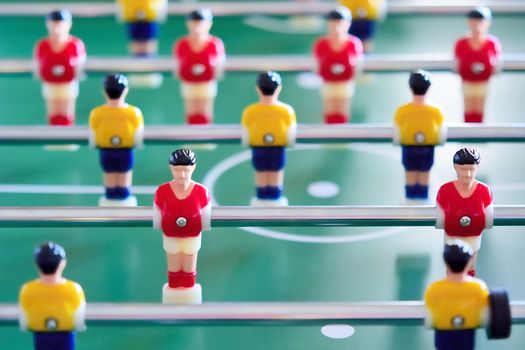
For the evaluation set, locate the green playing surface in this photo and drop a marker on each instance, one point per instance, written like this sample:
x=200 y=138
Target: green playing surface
x=367 y=264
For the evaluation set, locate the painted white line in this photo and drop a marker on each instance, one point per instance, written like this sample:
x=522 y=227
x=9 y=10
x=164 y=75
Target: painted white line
x=67 y=189
x=323 y=189
x=338 y=331
x=292 y=25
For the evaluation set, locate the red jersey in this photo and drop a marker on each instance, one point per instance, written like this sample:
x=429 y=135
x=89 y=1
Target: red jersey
x=464 y=216
x=181 y=217
x=59 y=67
x=477 y=65
x=195 y=67
x=339 y=65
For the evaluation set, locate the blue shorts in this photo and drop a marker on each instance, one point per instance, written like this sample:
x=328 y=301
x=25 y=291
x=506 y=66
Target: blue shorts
x=463 y=339
x=143 y=31
x=116 y=160
x=417 y=158
x=54 y=340
x=268 y=158
x=364 y=29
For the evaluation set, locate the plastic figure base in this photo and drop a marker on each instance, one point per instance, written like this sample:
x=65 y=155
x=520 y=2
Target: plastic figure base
x=281 y=202
x=183 y=296
x=131 y=201
x=62 y=148
x=149 y=80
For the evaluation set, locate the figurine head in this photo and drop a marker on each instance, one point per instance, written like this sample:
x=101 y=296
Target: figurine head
x=420 y=82
x=479 y=20
x=116 y=86
x=199 y=22
x=339 y=21
x=466 y=162
x=50 y=258
x=58 y=23
x=457 y=255
x=182 y=165
x=268 y=84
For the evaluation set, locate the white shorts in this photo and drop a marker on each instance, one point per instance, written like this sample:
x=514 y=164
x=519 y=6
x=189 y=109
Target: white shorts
x=207 y=89
x=473 y=241
x=343 y=89
x=475 y=89
x=186 y=246
x=60 y=91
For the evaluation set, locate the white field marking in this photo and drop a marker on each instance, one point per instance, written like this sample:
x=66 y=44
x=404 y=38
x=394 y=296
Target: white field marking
x=67 y=189
x=309 y=80
x=224 y=165
x=292 y=25
x=338 y=331
x=323 y=189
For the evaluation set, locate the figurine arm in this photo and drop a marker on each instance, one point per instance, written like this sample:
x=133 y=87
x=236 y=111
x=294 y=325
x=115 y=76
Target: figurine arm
x=489 y=217
x=206 y=217
x=440 y=217
x=80 y=317
x=157 y=217
x=139 y=137
x=22 y=319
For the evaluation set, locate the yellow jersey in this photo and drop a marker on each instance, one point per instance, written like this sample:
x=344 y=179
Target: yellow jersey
x=143 y=10
x=115 y=127
x=457 y=305
x=419 y=125
x=268 y=125
x=364 y=9
x=51 y=307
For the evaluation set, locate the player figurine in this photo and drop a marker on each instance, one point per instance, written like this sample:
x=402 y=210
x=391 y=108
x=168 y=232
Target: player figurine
x=116 y=129
x=200 y=62
x=458 y=304
x=60 y=61
x=182 y=210
x=143 y=18
x=268 y=127
x=366 y=14
x=418 y=128
x=464 y=206
x=478 y=57
x=338 y=55
x=52 y=307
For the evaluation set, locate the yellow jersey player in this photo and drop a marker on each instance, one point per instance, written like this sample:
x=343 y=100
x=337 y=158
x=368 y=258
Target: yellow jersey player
x=365 y=15
x=116 y=129
x=52 y=307
x=268 y=127
x=418 y=128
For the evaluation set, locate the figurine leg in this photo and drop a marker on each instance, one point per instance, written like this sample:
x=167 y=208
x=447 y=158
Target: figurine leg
x=199 y=110
x=54 y=340
x=474 y=95
x=143 y=38
x=455 y=339
x=61 y=103
x=364 y=30
x=117 y=165
x=337 y=98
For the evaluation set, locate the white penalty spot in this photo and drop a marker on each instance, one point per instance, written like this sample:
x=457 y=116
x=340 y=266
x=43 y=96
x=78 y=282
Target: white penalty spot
x=309 y=80
x=323 y=189
x=338 y=331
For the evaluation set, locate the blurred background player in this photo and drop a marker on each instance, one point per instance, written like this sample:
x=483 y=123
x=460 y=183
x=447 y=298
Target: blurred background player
x=338 y=55
x=143 y=19
x=478 y=57
x=60 y=60
x=464 y=206
x=200 y=62
x=182 y=210
x=419 y=127
x=366 y=14
x=116 y=129
x=268 y=127
x=52 y=307
x=457 y=304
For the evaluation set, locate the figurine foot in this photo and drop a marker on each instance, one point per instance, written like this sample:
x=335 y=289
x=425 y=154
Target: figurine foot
x=131 y=201
x=281 y=202
x=186 y=296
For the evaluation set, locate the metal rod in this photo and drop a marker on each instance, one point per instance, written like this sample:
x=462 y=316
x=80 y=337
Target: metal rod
x=231 y=134
x=281 y=63
x=233 y=216
x=97 y=9
x=309 y=313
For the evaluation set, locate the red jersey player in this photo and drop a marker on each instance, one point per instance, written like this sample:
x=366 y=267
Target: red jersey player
x=200 y=58
x=60 y=59
x=338 y=55
x=464 y=206
x=477 y=57
x=182 y=210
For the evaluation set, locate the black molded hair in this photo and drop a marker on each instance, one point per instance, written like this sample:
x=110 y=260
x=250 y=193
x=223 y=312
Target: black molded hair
x=457 y=255
x=268 y=82
x=466 y=156
x=203 y=14
x=339 y=13
x=59 y=15
x=481 y=12
x=48 y=256
x=183 y=156
x=114 y=85
x=419 y=82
